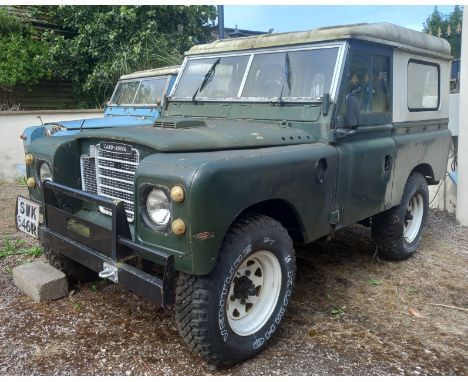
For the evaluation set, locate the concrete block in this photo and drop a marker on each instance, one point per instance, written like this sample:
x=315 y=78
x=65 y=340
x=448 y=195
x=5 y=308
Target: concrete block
x=40 y=281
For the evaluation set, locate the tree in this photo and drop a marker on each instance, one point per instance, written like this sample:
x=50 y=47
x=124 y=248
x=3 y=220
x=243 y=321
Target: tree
x=115 y=40
x=437 y=23
x=22 y=52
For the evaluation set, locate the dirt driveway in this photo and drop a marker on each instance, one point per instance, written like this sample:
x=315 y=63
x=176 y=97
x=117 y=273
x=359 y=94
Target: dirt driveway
x=352 y=313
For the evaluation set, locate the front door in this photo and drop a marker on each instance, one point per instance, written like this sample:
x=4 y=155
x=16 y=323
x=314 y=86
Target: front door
x=366 y=149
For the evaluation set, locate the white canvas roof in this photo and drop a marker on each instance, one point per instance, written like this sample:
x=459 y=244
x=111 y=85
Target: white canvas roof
x=152 y=72
x=384 y=33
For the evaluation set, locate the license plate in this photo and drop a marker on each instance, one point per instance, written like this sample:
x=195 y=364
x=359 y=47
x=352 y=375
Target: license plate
x=27 y=216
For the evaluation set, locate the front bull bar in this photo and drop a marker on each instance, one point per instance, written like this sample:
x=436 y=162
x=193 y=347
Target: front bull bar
x=100 y=249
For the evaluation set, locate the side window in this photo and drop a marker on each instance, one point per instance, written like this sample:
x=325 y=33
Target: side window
x=366 y=97
x=423 y=86
x=380 y=83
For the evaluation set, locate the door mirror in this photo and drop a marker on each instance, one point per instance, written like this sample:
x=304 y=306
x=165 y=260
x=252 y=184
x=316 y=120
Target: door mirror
x=353 y=110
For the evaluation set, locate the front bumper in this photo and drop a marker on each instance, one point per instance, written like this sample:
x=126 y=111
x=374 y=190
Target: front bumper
x=101 y=249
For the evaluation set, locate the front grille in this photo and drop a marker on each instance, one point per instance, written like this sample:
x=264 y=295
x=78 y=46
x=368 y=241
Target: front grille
x=110 y=174
x=88 y=173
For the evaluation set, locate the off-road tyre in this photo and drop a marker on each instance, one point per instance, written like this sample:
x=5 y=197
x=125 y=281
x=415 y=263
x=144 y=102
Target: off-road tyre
x=75 y=272
x=202 y=301
x=394 y=240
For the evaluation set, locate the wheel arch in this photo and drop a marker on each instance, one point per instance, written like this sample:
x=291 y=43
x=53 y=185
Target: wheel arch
x=426 y=170
x=280 y=210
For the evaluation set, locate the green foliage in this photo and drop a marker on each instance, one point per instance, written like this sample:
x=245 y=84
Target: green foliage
x=21 y=180
x=34 y=251
x=115 y=40
x=437 y=21
x=374 y=282
x=22 y=53
x=10 y=247
x=100 y=43
x=338 y=311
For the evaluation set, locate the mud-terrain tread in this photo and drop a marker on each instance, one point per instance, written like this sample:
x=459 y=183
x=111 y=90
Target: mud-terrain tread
x=192 y=293
x=74 y=271
x=387 y=226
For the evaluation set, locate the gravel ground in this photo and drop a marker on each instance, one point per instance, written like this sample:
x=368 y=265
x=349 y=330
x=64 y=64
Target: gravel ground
x=351 y=314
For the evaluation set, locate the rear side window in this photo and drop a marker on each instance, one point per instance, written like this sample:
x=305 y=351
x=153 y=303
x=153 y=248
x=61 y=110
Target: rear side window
x=423 y=86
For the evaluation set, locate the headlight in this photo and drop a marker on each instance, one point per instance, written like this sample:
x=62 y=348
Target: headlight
x=157 y=207
x=50 y=130
x=44 y=172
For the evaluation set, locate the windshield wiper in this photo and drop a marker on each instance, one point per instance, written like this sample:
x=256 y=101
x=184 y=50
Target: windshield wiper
x=288 y=78
x=208 y=76
x=287 y=72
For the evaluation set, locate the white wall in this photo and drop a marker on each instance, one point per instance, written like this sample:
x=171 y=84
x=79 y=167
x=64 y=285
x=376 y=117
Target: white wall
x=454 y=102
x=12 y=124
x=443 y=196
x=462 y=202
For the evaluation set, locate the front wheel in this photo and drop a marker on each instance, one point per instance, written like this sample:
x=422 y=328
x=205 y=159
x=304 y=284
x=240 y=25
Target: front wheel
x=397 y=232
x=231 y=314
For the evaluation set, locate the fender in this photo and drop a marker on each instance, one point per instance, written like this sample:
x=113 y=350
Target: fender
x=221 y=185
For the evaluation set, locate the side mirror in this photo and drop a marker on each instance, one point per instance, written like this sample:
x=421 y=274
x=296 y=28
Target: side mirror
x=353 y=110
x=325 y=103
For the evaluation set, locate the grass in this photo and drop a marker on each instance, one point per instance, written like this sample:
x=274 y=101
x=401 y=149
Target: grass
x=34 y=251
x=11 y=247
x=337 y=311
x=21 y=180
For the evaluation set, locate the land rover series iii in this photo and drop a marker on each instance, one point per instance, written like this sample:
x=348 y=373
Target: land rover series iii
x=135 y=101
x=265 y=141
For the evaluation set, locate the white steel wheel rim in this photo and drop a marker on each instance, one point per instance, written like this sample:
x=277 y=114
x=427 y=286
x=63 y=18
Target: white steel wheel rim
x=247 y=316
x=413 y=218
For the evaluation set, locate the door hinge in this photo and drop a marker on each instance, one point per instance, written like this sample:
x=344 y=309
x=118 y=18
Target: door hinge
x=335 y=217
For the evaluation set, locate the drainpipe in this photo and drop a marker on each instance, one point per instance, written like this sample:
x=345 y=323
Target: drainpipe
x=462 y=187
x=220 y=22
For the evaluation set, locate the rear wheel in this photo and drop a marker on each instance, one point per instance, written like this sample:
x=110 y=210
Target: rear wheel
x=397 y=232
x=231 y=314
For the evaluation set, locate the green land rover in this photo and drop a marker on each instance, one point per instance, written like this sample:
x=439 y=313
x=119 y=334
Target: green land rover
x=264 y=141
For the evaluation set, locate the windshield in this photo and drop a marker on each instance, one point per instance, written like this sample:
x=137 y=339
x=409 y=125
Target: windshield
x=139 y=91
x=224 y=82
x=306 y=73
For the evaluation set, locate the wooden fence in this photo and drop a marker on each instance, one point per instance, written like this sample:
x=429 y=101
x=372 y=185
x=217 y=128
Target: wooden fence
x=46 y=95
